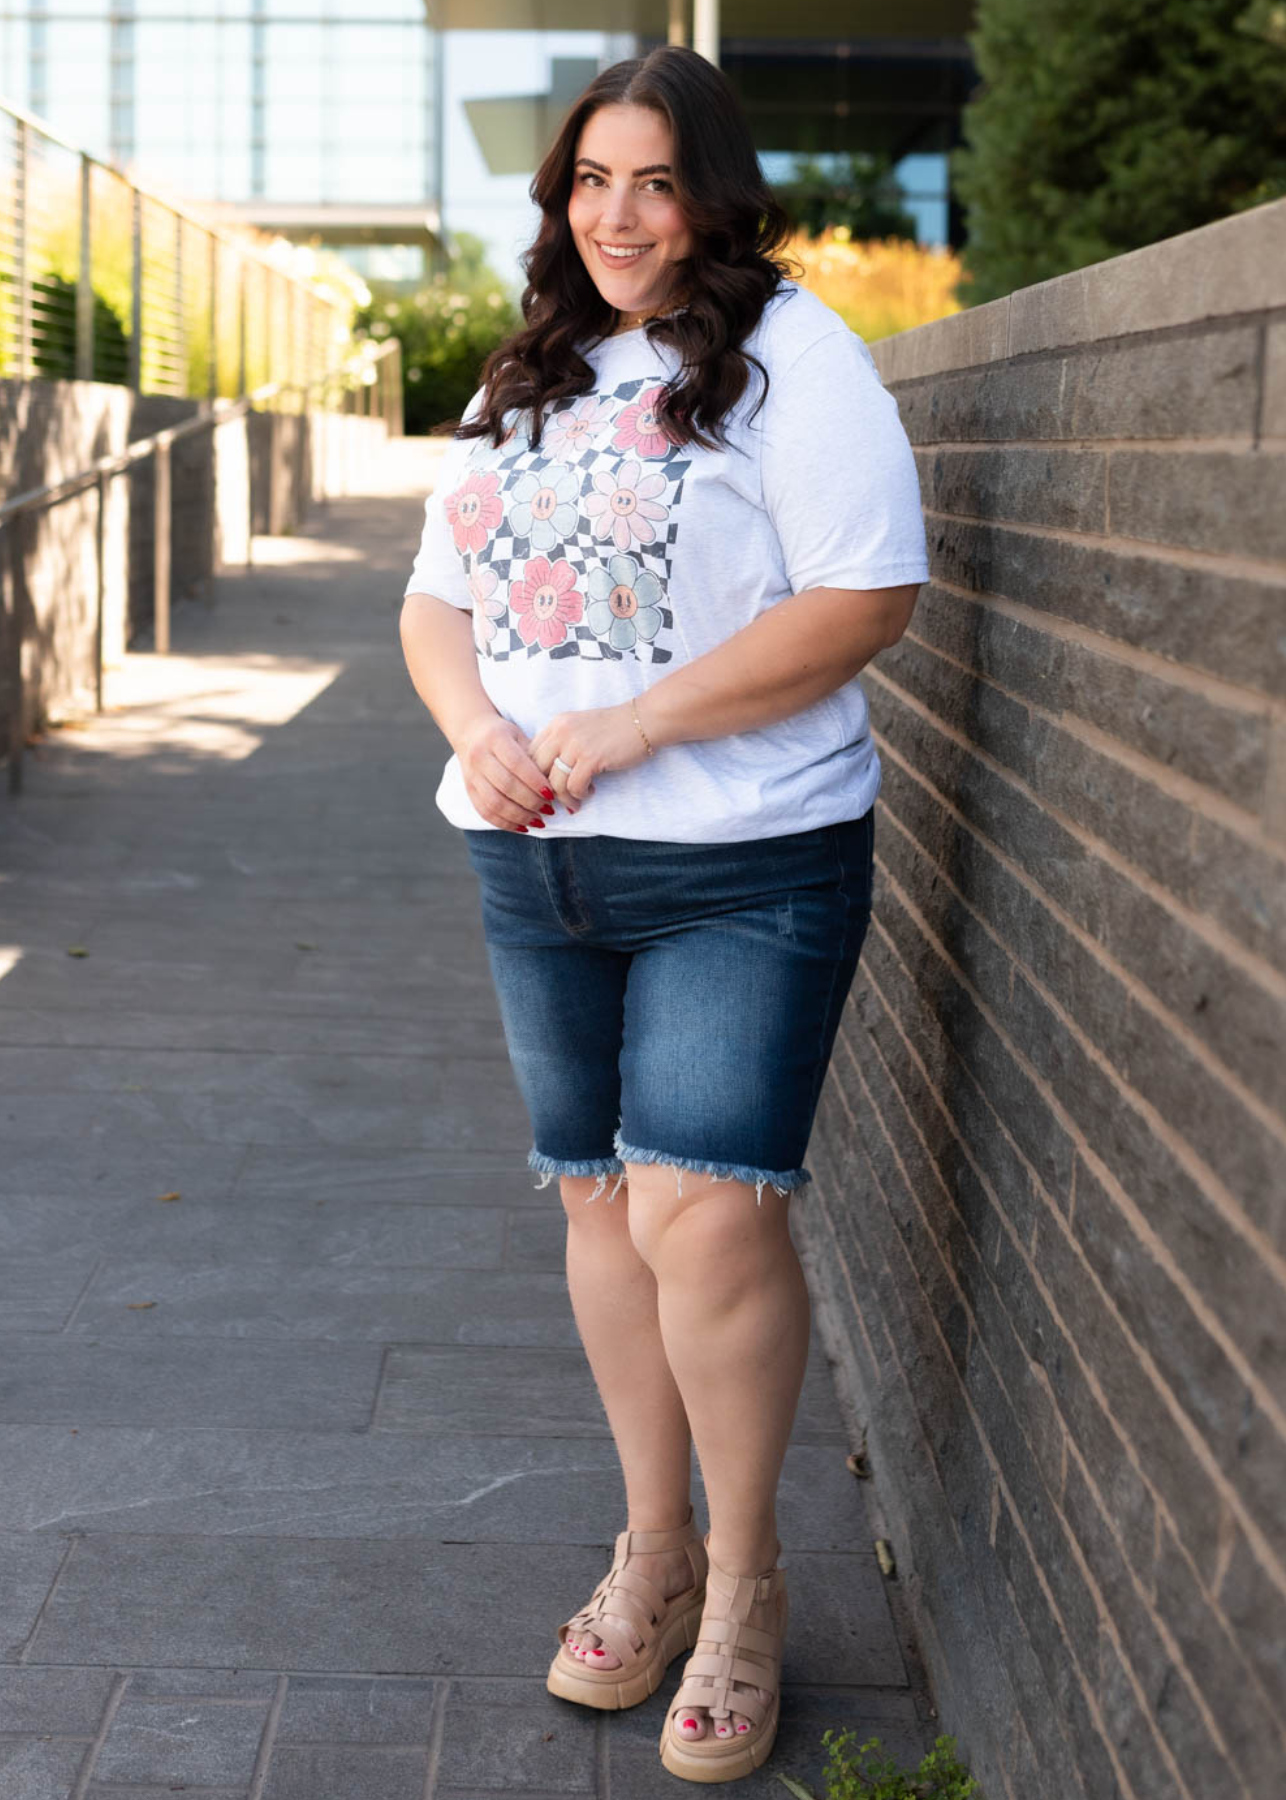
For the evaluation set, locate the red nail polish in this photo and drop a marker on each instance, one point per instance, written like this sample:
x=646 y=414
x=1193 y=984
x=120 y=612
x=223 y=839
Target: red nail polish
x=691 y=1722
x=538 y=823
x=548 y=793
x=547 y=809
x=520 y=828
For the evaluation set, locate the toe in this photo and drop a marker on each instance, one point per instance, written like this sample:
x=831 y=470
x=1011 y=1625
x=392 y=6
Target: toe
x=690 y=1724
x=725 y=1728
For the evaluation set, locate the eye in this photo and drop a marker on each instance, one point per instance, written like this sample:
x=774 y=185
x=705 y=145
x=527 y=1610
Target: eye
x=656 y=180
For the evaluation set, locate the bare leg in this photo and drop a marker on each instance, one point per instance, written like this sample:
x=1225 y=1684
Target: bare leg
x=734 y=1314
x=613 y=1296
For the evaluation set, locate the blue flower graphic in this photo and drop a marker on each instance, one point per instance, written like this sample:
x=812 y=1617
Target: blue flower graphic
x=625 y=602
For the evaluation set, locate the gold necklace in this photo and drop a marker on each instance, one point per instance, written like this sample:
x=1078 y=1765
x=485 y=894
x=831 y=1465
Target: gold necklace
x=640 y=319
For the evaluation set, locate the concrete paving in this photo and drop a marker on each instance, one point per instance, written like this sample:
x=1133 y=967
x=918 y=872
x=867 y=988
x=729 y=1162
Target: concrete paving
x=301 y=1464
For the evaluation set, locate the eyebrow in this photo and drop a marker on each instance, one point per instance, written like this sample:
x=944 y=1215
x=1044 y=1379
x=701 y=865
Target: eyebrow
x=651 y=169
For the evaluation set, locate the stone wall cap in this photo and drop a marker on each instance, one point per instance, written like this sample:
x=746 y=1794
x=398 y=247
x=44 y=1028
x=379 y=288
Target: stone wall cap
x=1233 y=266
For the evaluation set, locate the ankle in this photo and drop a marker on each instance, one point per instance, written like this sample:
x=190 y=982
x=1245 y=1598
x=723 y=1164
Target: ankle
x=745 y=1559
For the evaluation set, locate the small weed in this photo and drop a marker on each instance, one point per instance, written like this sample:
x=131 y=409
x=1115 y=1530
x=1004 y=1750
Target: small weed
x=867 y=1774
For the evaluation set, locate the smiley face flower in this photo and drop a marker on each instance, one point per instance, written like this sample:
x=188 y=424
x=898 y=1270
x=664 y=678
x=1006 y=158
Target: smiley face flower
x=624 y=506
x=544 y=507
x=625 y=603
x=474 y=509
x=545 y=602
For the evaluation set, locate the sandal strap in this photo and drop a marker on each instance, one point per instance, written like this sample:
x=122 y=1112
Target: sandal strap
x=741 y=1592
x=625 y=1643
x=738 y=1637
x=635 y=1543
x=633 y=1597
x=720 y=1699
x=724 y=1668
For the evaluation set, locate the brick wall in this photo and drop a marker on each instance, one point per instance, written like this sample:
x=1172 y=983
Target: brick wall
x=1048 y=1238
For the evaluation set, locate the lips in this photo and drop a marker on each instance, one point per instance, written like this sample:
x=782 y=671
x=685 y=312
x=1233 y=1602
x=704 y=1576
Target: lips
x=639 y=250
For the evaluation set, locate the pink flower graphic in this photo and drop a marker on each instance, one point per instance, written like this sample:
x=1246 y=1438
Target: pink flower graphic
x=474 y=509
x=638 y=427
x=623 y=507
x=486 y=608
x=546 y=601
x=572 y=428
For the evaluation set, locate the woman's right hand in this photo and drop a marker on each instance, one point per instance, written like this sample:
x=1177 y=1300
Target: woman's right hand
x=506 y=787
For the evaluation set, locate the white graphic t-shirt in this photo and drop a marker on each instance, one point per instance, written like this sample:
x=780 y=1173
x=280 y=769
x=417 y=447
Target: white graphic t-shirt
x=598 y=564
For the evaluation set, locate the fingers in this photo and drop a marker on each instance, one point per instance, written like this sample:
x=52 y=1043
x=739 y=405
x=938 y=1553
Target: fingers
x=497 y=809
x=510 y=769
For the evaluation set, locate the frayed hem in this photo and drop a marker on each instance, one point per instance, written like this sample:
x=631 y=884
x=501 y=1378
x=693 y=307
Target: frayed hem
x=548 y=1167
x=782 y=1181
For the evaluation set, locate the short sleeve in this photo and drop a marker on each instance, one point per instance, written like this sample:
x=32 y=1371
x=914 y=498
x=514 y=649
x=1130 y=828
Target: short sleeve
x=839 y=479
x=438 y=568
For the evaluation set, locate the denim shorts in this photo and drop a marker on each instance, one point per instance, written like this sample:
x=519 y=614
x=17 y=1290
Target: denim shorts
x=670 y=1002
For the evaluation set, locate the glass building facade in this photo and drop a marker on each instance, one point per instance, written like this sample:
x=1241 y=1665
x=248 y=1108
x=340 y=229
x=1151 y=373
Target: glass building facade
x=302 y=103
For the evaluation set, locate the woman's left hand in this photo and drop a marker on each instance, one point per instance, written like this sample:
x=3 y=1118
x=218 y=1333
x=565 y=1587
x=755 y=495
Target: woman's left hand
x=593 y=742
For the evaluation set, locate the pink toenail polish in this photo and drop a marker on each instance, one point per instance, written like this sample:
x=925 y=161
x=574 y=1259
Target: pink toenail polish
x=691 y=1722
x=743 y=1728
x=596 y=1652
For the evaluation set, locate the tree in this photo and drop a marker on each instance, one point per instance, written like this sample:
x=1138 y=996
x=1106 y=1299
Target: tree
x=1103 y=125
x=858 y=190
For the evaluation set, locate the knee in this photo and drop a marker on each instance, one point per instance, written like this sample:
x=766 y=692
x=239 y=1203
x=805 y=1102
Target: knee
x=587 y=1204
x=711 y=1236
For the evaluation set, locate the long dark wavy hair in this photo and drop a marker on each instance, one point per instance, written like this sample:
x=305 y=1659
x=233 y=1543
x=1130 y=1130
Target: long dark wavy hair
x=735 y=221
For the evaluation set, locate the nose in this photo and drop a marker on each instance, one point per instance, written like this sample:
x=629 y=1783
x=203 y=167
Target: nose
x=618 y=211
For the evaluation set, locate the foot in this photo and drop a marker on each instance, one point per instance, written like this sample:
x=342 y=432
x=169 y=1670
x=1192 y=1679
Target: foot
x=672 y=1573
x=694 y=1722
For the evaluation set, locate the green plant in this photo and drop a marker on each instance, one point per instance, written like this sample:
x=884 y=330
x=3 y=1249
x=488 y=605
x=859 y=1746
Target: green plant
x=53 y=303
x=1103 y=125
x=447 y=329
x=857 y=190
x=867 y=1774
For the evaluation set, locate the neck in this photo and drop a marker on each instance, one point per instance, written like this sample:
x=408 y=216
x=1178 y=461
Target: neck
x=630 y=321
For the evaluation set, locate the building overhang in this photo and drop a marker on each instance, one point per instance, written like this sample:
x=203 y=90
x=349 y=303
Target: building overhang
x=838 y=20
x=341 y=224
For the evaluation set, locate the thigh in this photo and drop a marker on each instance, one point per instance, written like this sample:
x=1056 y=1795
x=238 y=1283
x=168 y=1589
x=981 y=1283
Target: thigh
x=730 y=1021
x=561 y=1003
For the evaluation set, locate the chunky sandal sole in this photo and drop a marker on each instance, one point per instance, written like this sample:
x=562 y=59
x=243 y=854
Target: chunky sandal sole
x=612 y=1690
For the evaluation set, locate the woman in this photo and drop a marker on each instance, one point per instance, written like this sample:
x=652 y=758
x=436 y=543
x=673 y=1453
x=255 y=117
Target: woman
x=674 y=572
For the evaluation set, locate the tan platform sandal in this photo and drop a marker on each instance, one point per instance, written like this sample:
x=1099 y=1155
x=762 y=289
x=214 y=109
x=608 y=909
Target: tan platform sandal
x=729 y=1649
x=660 y=1629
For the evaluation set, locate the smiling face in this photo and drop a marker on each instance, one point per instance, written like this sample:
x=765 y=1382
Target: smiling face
x=623 y=197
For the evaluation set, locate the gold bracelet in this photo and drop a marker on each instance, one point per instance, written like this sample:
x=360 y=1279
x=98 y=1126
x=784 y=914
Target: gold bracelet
x=643 y=734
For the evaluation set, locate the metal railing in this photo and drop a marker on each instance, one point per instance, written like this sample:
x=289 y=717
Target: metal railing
x=102 y=280
x=370 y=380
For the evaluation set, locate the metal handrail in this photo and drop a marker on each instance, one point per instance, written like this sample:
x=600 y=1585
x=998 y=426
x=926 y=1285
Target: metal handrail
x=220 y=412
x=208 y=274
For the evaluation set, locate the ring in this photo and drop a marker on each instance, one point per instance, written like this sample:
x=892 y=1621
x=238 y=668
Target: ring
x=560 y=764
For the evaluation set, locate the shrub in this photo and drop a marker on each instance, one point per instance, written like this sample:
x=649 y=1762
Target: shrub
x=878 y=288
x=873 y=1776
x=447 y=329
x=53 y=302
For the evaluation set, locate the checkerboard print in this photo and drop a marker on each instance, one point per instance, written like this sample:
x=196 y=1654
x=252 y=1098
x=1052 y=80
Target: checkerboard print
x=578 y=561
